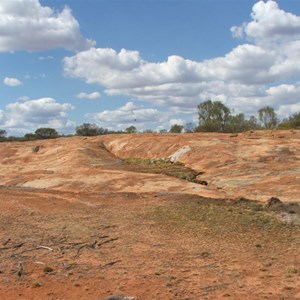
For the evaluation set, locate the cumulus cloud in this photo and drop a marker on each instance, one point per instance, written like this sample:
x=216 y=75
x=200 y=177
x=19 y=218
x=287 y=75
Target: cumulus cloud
x=128 y=115
x=250 y=76
x=27 y=25
x=10 y=81
x=91 y=96
x=177 y=122
x=271 y=24
x=29 y=115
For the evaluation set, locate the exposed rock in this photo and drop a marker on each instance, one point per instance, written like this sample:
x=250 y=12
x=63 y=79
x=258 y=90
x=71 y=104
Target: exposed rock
x=176 y=155
x=273 y=202
x=255 y=168
x=254 y=164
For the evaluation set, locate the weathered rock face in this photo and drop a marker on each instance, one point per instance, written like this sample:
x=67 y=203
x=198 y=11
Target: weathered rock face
x=256 y=165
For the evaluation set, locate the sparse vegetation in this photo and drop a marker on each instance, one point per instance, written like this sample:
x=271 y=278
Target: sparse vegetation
x=162 y=166
x=230 y=218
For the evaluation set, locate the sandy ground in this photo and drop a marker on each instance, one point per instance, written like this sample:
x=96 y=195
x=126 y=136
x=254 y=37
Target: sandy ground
x=78 y=223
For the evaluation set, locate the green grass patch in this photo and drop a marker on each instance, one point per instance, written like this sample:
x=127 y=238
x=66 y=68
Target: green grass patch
x=161 y=166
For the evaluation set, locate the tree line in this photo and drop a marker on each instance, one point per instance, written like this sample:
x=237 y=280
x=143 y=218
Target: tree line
x=214 y=116
x=85 y=129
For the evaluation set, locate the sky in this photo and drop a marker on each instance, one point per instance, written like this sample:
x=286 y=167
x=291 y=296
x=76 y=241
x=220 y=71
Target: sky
x=146 y=63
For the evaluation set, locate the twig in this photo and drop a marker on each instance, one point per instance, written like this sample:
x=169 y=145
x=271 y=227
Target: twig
x=44 y=247
x=110 y=263
x=12 y=247
x=37 y=247
x=92 y=245
x=108 y=241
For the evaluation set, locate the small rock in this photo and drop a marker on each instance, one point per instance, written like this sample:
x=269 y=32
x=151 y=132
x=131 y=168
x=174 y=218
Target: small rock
x=48 y=269
x=273 y=201
x=119 y=297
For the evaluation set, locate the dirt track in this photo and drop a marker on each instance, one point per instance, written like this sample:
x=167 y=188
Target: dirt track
x=78 y=223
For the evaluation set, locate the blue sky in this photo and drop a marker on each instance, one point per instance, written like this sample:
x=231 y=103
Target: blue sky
x=146 y=63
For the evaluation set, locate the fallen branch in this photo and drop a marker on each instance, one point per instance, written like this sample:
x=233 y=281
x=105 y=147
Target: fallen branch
x=37 y=248
x=44 y=247
x=91 y=245
x=110 y=264
x=108 y=241
x=12 y=247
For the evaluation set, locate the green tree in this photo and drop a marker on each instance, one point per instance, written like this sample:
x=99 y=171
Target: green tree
x=267 y=117
x=176 y=128
x=213 y=116
x=46 y=133
x=163 y=131
x=253 y=123
x=3 y=133
x=291 y=122
x=30 y=136
x=131 y=129
x=237 y=123
x=88 y=129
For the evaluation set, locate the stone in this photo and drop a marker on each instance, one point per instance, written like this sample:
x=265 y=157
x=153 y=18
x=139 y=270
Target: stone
x=273 y=202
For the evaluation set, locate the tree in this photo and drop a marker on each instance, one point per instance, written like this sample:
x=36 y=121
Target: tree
x=267 y=117
x=30 y=136
x=3 y=133
x=295 y=120
x=131 y=129
x=88 y=129
x=190 y=127
x=237 y=123
x=46 y=133
x=292 y=122
x=176 y=128
x=253 y=123
x=213 y=116
x=148 y=131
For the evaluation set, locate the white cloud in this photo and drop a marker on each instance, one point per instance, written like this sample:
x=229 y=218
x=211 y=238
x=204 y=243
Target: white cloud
x=29 y=115
x=49 y=57
x=91 y=96
x=127 y=115
x=27 y=25
x=10 y=81
x=177 y=122
x=271 y=24
x=250 y=76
